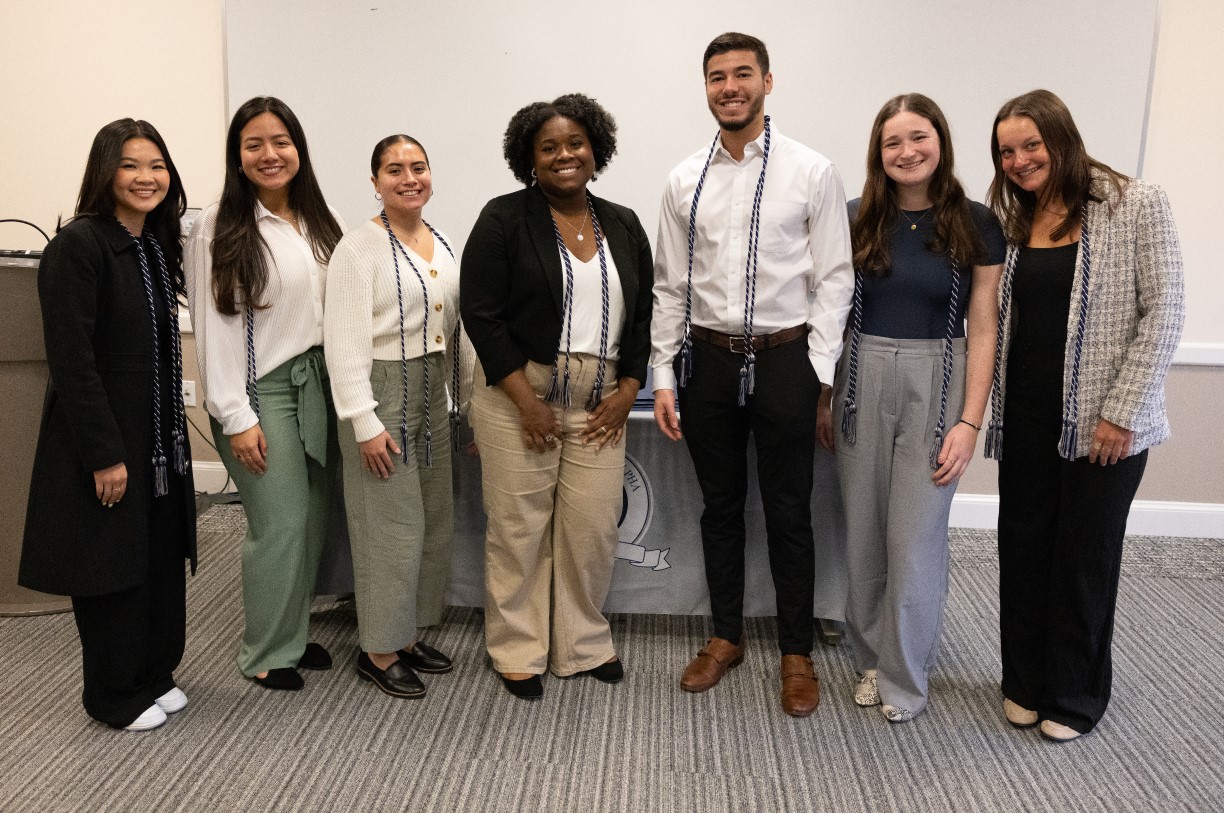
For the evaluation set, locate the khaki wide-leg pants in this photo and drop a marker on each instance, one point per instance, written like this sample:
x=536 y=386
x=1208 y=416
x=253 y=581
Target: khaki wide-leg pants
x=552 y=534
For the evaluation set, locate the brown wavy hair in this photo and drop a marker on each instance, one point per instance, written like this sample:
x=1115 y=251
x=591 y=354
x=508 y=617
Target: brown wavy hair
x=239 y=252
x=956 y=233
x=1070 y=168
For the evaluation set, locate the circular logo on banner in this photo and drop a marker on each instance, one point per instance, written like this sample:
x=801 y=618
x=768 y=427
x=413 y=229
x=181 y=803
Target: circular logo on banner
x=637 y=503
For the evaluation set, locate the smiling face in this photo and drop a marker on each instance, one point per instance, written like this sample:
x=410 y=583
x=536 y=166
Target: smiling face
x=269 y=156
x=563 y=158
x=140 y=184
x=909 y=150
x=736 y=89
x=404 y=179
x=1022 y=154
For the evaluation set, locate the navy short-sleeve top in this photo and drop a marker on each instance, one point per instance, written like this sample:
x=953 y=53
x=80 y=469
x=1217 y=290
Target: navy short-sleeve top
x=911 y=300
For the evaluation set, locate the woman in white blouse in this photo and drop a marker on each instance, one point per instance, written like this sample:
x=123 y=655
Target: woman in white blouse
x=391 y=327
x=256 y=269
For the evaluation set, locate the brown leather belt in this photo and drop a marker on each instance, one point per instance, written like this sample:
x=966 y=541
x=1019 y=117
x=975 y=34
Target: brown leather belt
x=737 y=344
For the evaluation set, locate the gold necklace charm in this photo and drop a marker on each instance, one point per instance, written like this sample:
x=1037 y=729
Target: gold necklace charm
x=914 y=223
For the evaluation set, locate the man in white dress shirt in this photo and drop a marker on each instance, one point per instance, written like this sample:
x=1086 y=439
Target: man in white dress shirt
x=752 y=291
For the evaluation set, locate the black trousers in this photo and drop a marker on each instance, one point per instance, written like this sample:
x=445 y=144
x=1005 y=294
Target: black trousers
x=781 y=417
x=1061 y=525
x=133 y=640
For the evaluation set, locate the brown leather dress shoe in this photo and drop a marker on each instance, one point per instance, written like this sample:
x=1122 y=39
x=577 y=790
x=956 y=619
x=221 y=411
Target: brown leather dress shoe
x=800 y=687
x=711 y=663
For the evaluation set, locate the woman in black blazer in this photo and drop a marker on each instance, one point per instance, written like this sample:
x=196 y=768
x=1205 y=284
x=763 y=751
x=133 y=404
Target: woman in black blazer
x=555 y=293
x=111 y=515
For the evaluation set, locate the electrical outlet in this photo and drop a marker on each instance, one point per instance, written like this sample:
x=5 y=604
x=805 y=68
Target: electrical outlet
x=189 y=393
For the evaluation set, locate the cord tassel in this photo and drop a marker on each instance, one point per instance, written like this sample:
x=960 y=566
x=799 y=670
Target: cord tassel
x=180 y=454
x=404 y=441
x=937 y=446
x=428 y=448
x=161 y=486
x=849 y=422
x=454 y=424
x=686 y=359
x=747 y=379
x=994 y=441
x=596 y=397
x=1066 y=443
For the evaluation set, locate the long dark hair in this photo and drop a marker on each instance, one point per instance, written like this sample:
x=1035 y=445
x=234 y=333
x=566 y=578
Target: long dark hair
x=1070 y=167
x=956 y=234
x=97 y=196
x=240 y=261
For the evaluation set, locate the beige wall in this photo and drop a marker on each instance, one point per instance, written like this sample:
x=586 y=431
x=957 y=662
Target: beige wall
x=70 y=67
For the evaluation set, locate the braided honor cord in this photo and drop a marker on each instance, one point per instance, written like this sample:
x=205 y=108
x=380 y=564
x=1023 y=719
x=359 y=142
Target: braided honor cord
x=953 y=302
x=686 y=342
x=160 y=475
x=561 y=394
x=748 y=370
x=1070 y=430
x=849 y=421
x=399 y=292
x=994 y=433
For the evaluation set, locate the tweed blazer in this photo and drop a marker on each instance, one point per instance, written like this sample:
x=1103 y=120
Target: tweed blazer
x=1135 y=311
x=511 y=284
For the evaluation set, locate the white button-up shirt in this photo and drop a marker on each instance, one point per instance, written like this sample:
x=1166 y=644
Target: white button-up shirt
x=804 y=273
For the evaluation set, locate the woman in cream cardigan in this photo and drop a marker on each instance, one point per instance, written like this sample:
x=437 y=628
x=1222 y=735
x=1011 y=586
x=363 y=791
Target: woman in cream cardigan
x=391 y=333
x=1090 y=312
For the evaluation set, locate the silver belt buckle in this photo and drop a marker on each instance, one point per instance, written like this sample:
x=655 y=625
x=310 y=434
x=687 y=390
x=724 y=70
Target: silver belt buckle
x=744 y=344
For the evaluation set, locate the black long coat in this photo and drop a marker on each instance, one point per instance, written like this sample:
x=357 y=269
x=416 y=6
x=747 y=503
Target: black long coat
x=98 y=412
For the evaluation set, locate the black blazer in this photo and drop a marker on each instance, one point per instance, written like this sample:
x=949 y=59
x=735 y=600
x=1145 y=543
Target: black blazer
x=511 y=284
x=98 y=412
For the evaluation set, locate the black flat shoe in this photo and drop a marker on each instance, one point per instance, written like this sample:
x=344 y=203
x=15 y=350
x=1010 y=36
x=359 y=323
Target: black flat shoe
x=315 y=657
x=397 y=680
x=610 y=672
x=285 y=679
x=424 y=658
x=531 y=688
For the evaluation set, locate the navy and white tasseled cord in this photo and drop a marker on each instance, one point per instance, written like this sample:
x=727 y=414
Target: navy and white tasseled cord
x=399 y=292
x=849 y=421
x=559 y=392
x=953 y=308
x=178 y=430
x=251 y=377
x=748 y=369
x=1070 y=424
x=994 y=432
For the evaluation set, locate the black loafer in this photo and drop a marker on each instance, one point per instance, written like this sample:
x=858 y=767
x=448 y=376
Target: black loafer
x=424 y=658
x=315 y=657
x=531 y=688
x=285 y=679
x=610 y=672
x=397 y=680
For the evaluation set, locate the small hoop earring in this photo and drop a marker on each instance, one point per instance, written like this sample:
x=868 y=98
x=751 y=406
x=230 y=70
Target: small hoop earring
x=533 y=176
x=377 y=196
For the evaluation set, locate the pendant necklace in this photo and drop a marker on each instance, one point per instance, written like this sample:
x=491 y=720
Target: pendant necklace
x=914 y=223
x=564 y=219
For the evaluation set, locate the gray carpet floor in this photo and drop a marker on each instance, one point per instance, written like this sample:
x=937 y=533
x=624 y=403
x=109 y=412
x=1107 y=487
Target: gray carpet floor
x=642 y=745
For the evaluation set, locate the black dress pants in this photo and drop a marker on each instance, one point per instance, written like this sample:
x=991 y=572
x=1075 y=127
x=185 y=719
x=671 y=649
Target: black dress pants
x=133 y=640
x=781 y=417
x=1061 y=525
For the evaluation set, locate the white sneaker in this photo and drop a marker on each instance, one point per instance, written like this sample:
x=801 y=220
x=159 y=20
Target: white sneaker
x=151 y=718
x=1058 y=732
x=1018 y=715
x=896 y=714
x=865 y=692
x=172 y=701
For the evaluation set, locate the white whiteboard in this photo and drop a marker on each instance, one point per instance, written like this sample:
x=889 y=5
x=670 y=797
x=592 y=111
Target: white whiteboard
x=451 y=74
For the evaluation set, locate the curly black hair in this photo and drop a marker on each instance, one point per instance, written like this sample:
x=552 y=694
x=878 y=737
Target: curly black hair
x=518 y=145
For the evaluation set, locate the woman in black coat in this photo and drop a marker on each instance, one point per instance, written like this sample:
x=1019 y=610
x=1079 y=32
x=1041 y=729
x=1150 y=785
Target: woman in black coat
x=111 y=513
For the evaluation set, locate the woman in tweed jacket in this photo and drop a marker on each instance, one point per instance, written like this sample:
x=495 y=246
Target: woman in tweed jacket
x=1090 y=312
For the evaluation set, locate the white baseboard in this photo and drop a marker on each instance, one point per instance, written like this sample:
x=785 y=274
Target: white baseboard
x=1202 y=520
x=1147 y=517
x=210 y=477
